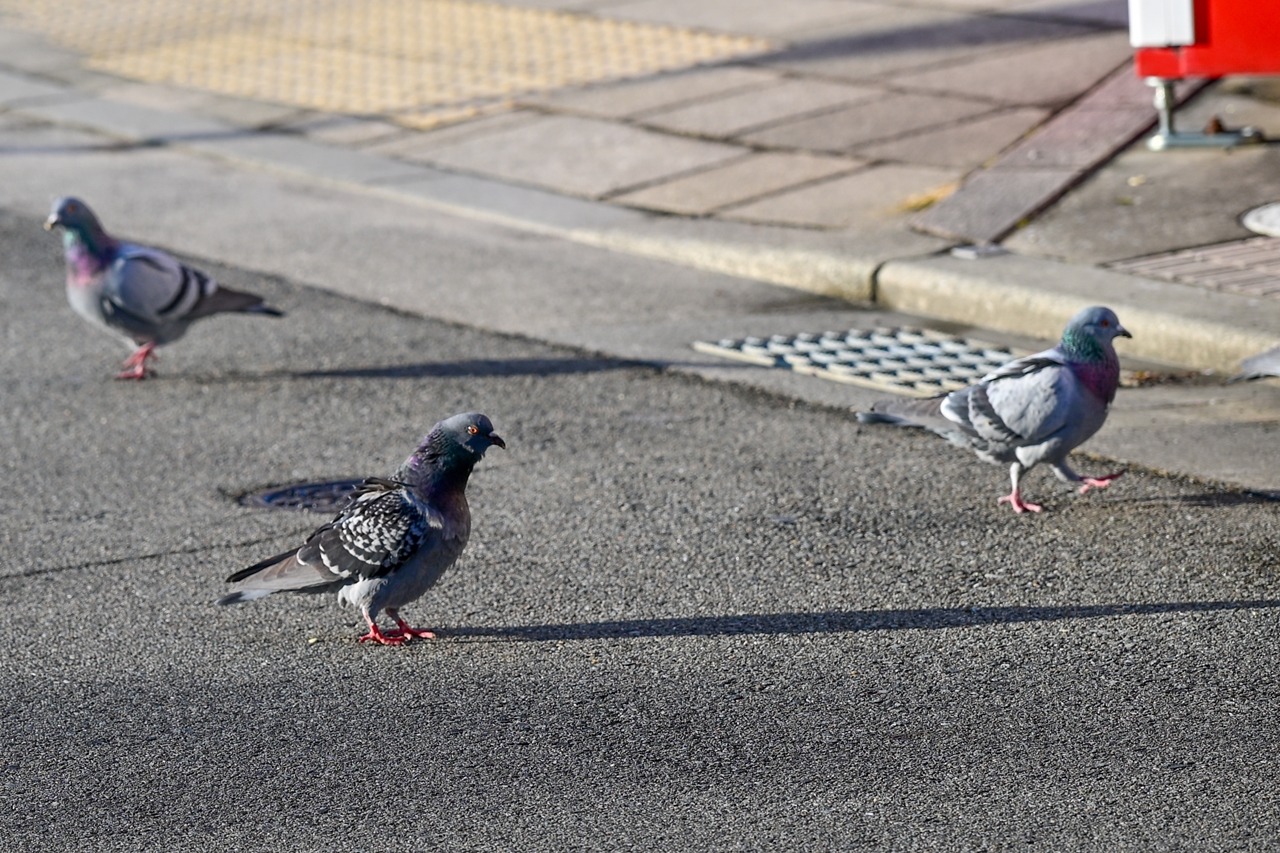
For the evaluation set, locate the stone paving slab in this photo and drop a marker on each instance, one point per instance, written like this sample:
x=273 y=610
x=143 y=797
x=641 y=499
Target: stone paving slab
x=731 y=115
x=636 y=97
x=753 y=176
x=892 y=115
x=875 y=194
x=965 y=145
x=1025 y=180
x=560 y=152
x=916 y=39
x=774 y=18
x=1048 y=74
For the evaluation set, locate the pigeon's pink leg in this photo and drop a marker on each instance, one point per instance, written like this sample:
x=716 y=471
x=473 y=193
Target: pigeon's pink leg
x=375 y=634
x=404 y=630
x=137 y=363
x=1020 y=506
x=1099 y=482
x=1014 y=498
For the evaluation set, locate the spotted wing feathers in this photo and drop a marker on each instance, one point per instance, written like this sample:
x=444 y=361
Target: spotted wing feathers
x=382 y=527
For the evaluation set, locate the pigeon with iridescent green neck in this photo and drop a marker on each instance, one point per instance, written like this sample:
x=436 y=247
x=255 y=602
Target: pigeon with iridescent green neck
x=1034 y=409
x=140 y=294
x=394 y=539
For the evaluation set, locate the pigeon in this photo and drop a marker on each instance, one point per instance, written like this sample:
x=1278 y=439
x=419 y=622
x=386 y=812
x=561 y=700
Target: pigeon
x=1034 y=409
x=393 y=540
x=1259 y=366
x=143 y=295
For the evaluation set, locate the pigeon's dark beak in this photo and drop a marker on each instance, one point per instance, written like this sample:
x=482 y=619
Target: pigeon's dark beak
x=51 y=221
x=1122 y=332
x=494 y=438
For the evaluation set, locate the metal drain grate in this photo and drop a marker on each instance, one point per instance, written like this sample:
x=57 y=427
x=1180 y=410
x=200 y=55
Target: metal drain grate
x=915 y=362
x=327 y=497
x=1250 y=266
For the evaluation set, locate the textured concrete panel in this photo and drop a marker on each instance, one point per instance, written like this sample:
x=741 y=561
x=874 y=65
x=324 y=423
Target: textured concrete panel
x=876 y=194
x=890 y=116
x=581 y=156
x=756 y=175
x=732 y=114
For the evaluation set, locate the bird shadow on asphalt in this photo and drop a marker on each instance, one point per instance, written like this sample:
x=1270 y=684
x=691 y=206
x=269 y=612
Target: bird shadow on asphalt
x=429 y=369
x=1214 y=500
x=447 y=369
x=836 y=622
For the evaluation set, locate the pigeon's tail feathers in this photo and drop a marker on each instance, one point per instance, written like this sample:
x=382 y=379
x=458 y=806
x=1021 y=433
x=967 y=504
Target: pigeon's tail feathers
x=907 y=412
x=225 y=300
x=1258 y=366
x=281 y=573
x=244 y=595
x=881 y=418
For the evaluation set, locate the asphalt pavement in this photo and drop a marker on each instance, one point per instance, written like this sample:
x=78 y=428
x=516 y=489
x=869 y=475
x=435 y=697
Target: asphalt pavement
x=692 y=615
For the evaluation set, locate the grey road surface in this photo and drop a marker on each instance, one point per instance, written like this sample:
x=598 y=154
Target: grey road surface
x=692 y=617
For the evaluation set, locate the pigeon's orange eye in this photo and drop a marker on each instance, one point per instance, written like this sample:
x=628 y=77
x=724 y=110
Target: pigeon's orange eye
x=1106 y=322
x=471 y=430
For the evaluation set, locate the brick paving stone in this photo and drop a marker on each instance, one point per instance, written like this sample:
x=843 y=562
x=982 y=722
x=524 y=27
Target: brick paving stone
x=875 y=194
x=1088 y=135
x=1046 y=75
x=993 y=202
x=890 y=116
x=632 y=98
x=581 y=156
x=933 y=38
x=732 y=114
x=753 y=176
x=965 y=145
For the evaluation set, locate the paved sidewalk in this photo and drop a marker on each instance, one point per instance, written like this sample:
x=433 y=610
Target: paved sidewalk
x=798 y=155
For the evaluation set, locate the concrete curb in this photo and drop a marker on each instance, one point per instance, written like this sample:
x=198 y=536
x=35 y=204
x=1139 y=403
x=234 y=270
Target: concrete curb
x=1175 y=324
x=1172 y=323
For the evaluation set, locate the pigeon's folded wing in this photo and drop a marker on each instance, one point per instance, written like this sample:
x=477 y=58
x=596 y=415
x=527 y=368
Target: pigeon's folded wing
x=1022 y=403
x=154 y=287
x=380 y=529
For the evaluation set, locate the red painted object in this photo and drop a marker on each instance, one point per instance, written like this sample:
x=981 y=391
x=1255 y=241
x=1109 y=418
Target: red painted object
x=1232 y=37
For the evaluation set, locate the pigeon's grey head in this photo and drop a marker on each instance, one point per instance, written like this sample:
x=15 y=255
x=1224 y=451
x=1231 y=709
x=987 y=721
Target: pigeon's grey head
x=73 y=215
x=1096 y=322
x=462 y=438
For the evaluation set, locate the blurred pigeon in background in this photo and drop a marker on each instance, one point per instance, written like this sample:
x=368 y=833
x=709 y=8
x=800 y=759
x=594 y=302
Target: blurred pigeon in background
x=1259 y=366
x=144 y=295
x=1033 y=409
x=394 y=539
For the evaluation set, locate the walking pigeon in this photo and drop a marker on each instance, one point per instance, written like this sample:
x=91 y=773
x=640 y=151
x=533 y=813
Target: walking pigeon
x=144 y=295
x=1033 y=409
x=394 y=539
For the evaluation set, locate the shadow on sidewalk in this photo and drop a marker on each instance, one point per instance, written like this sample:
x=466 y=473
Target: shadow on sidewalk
x=835 y=622
x=992 y=29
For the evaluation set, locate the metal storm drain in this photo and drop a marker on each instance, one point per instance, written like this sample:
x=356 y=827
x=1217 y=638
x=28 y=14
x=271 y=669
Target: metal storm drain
x=1250 y=266
x=915 y=362
x=311 y=497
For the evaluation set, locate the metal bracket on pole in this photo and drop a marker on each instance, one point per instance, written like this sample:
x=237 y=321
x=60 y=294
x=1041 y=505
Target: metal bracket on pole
x=1167 y=137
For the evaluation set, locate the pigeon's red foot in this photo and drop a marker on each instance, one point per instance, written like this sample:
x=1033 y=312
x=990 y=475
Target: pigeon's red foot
x=136 y=364
x=1020 y=506
x=405 y=630
x=391 y=638
x=1099 y=482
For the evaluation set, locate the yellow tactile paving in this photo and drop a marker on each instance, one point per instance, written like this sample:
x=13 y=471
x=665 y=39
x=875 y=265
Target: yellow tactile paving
x=419 y=62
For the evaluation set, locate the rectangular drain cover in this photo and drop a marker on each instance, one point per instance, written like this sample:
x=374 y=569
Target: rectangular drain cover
x=1250 y=266
x=915 y=362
